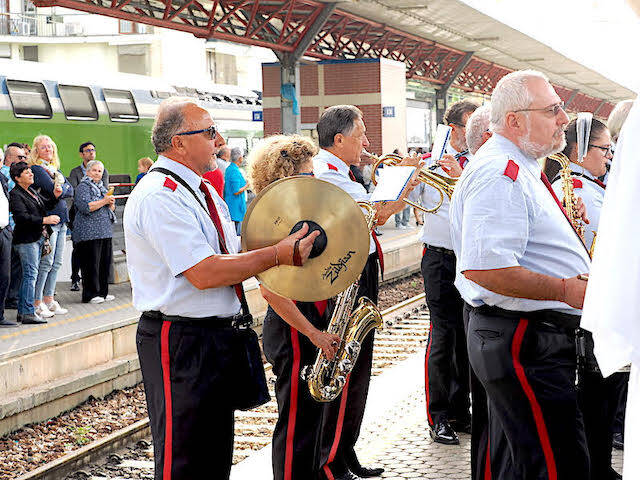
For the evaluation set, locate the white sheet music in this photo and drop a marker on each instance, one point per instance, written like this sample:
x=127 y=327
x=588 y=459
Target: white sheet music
x=391 y=183
x=440 y=142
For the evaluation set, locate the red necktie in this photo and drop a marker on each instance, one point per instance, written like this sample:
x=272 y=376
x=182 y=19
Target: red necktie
x=213 y=213
x=462 y=161
x=375 y=237
x=545 y=180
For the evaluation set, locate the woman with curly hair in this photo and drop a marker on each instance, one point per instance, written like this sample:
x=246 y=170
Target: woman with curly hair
x=292 y=332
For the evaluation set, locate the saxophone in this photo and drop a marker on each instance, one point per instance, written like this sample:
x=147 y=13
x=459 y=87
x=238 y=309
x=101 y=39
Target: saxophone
x=326 y=378
x=570 y=199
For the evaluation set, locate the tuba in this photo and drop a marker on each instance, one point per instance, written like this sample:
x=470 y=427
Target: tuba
x=444 y=185
x=326 y=378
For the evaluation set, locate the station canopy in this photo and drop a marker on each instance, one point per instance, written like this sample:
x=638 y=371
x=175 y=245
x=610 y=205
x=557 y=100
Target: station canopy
x=443 y=42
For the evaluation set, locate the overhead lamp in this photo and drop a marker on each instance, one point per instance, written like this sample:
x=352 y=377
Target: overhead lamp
x=485 y=39
x=536 y=59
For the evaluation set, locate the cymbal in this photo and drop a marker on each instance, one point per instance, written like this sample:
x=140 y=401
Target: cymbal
x=339 y=253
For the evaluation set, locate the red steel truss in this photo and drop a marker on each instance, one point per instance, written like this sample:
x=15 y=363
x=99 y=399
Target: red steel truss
x=281 y=26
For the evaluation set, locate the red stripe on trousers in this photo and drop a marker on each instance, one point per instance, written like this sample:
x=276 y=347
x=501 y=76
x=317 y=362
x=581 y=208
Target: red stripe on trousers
x=166 y=381
x=336 y=438
x=293 y=404
x=535 y=406
x=487 y=462
x=426 y=372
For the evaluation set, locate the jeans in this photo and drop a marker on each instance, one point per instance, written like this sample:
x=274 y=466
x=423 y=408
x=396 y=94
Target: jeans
x=6 y=235
x=402 y=218
x=30 y=258
x=238 y=227
x=50 y=264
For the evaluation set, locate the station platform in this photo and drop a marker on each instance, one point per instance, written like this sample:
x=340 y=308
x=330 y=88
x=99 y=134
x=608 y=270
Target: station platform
x=394 y=433
x=90 y=351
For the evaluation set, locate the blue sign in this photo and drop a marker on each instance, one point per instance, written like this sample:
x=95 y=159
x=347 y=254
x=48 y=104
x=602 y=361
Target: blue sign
x=257 y=116
x=388 y=112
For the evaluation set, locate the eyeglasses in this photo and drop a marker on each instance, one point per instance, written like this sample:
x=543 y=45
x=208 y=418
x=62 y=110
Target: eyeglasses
x=607 y=150
x=88 y=150
x=553 y=109
x=211 y=132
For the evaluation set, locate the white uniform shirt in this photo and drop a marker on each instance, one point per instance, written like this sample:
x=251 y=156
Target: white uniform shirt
x=167 y=232
x=436 y=231
x=328 y=167
x=592 y=194
x=4 y=209
x=498 y=222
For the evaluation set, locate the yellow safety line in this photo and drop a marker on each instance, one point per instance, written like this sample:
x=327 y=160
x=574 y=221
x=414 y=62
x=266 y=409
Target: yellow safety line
x=39 y=328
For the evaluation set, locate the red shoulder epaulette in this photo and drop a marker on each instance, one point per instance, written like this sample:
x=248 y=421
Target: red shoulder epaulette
x=512 y=170
x=332 y=167
x=170 y=184
x=577 y=183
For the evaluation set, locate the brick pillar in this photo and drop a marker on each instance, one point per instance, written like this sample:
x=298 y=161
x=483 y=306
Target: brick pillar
x=369 y=84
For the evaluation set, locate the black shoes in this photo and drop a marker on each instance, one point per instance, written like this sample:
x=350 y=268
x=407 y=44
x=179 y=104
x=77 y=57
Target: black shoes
x=442 y=432
x=618 y=441
x=348 y=476
x=461 y=426
x=31 y=319
x=7 y=323
x=75 y=286
x=354 y=466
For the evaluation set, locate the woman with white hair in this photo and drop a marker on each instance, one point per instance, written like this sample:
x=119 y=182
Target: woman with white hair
x=92 y=233
x=49 y=181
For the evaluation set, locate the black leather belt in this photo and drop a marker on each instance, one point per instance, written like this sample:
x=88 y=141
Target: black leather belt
x=548 y=318
x=210 y=322
x=446 y=251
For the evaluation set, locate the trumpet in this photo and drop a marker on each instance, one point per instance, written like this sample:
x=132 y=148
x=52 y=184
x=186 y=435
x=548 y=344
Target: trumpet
x=444 y=185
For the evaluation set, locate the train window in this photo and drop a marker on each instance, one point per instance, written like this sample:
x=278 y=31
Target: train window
x=29 y=99
x=121 y=106
x=227 y=99
x=78 y=102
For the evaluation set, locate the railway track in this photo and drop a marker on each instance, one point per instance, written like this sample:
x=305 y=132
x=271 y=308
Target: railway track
x=128 y=453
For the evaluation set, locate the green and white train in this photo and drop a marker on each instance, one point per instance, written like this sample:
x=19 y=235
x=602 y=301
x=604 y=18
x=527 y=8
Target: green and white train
x=114 y=111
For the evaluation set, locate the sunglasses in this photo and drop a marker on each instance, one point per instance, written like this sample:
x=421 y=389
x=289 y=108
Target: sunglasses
x=211 y=132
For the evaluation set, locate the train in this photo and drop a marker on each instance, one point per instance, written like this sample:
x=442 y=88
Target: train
x=115 y=111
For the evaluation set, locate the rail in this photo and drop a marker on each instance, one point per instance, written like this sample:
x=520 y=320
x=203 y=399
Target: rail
x=87 y=454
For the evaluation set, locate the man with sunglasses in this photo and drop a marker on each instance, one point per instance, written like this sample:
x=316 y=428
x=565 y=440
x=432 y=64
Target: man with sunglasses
x=520 y=267
x=186 y=276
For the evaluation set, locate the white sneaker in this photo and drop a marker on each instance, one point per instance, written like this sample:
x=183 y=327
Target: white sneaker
x=97 y=300
x=43 y=311
x=56 y=308
x=108 y=298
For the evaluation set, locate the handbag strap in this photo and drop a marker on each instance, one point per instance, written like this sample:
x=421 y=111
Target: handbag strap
x=246 y=314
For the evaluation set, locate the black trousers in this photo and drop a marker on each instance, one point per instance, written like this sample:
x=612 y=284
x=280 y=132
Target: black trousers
x=187 y=367
x=342 y=418
x=75 y=264
x=527 y=369
x=95 y=261
x=599 y=399
x=6 y=236
x=446 y=361
x=297 y=431
x=16 y=280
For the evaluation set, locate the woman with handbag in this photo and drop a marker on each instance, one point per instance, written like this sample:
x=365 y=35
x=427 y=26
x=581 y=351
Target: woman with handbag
x=92 y=233
x=45 y=165
x=31 y=235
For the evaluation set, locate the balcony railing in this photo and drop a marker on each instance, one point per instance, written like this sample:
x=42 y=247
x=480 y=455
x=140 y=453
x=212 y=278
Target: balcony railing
x=51 y=25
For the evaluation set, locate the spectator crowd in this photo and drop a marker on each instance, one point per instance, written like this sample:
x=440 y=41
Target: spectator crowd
x=38 y=205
